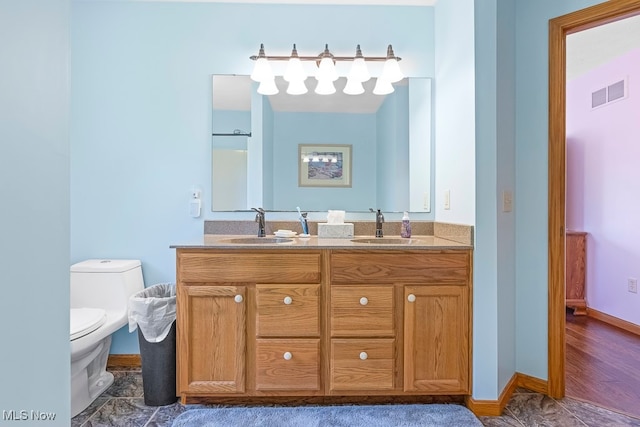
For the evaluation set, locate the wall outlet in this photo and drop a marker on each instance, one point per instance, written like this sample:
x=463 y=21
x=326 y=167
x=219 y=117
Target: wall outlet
x=632 y=285
x=447 y=199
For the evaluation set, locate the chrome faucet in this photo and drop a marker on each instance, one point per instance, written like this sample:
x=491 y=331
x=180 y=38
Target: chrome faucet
x=260 y=220
x=379 y=221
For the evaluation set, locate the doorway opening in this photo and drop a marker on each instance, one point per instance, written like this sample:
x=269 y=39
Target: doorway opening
x=559 y=28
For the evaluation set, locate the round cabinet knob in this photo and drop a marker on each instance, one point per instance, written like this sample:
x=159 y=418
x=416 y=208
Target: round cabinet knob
x=288 y=300
x=287 y=355
x=363 y=355
x=411 y=298
x=238 y=298
x=364 y=301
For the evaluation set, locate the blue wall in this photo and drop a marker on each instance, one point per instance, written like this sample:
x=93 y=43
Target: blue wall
x=34 y=219
x=530 y=201
x=357 y=130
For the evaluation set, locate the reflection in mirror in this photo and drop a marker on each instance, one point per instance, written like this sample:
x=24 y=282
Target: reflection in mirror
x=389 y=137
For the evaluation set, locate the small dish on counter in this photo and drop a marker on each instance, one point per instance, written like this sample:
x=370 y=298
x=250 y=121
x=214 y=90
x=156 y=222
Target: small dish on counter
x=285 y=233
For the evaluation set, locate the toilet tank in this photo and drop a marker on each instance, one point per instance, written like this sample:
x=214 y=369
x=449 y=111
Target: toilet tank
x=105 y=283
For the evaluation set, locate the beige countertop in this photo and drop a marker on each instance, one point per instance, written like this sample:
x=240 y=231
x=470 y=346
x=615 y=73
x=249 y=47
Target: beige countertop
x=228 y=241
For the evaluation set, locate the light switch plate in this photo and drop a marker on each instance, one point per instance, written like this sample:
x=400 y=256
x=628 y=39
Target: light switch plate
x=507 y=201
x=426 y=202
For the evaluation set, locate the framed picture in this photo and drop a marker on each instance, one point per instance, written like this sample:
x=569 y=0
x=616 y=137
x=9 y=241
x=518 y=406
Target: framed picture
x=327 y=165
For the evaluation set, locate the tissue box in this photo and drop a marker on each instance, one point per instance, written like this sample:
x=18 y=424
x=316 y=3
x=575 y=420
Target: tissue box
x=335 y=231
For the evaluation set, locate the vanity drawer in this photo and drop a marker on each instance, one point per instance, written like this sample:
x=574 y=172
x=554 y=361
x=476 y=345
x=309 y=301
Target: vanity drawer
x=206 y=266
x=441 y=267
x=362 y=311
x=362 y=364
x=288 y=310
x=287 y=364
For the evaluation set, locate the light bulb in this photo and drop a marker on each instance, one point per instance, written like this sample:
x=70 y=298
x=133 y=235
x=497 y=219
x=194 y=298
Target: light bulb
x=353 y=87
x=325 y=87
x=268 y=87
x=294 y=71
x=359 y=71
x=262 y=69
x=383 y=87
x=327 y=69
x=296 y=87
x=391 y=69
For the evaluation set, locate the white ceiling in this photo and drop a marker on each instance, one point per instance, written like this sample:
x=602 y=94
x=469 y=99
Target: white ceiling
x=596 y=46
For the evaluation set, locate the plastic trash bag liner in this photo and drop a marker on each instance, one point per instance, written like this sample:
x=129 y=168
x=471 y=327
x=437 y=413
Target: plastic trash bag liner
x=153 y=310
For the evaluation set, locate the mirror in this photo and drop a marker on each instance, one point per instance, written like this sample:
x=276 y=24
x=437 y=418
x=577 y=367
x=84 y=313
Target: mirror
x=263 y=147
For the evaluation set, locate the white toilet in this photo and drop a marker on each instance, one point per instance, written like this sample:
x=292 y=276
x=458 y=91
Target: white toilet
x=100 y=291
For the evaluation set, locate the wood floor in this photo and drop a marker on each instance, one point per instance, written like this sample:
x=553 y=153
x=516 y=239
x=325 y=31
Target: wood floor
x=603 y=364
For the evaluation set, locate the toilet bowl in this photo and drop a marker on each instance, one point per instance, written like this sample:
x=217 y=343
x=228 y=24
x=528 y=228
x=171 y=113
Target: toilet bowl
x=99 y=291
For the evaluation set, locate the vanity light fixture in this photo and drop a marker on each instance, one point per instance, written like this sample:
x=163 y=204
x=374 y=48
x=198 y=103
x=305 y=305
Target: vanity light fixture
x=326 y=72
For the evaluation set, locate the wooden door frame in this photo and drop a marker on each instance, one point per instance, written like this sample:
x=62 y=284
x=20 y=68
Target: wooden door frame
x=594 y=16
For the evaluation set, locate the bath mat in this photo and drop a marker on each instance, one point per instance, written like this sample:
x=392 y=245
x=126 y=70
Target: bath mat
x=431 y=415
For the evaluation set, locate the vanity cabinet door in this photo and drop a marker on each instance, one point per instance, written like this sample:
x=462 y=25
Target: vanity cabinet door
x=436 y=339
x=212 y=339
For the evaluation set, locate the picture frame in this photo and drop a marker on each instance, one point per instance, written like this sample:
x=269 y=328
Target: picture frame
x=324 y=165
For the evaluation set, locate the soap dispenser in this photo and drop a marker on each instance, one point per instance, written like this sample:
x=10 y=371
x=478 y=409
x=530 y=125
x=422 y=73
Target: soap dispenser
x=405 y=231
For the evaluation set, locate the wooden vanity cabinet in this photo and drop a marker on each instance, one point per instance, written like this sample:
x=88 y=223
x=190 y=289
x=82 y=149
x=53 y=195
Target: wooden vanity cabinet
x=298 y=323
x=426 y=315
x=235 y=328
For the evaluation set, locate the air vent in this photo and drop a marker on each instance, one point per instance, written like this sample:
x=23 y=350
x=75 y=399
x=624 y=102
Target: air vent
x=599 y=97
x=610 y=93
x=616 y=91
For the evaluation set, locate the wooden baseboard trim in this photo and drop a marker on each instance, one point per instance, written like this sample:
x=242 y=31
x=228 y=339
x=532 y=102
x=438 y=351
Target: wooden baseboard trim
x=494 y=408
x=533 y=383
x=123 y=361
x=614 y=321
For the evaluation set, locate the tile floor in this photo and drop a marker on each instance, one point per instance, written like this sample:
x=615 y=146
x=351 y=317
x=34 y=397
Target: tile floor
x=122 y=405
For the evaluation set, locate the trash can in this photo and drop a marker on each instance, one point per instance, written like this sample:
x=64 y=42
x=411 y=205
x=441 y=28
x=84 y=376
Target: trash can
x=153 y=312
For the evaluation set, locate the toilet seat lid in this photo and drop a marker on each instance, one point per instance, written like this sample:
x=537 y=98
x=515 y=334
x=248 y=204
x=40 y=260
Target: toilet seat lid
x=85 y=320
